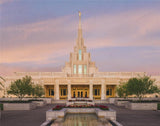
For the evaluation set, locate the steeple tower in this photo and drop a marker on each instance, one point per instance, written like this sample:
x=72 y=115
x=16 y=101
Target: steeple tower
x=80 y=63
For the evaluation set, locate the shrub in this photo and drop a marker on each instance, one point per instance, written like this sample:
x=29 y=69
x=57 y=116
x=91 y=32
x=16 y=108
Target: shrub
x=144 y=101
x=1 y=106
x=17 y=101
x=158 y=106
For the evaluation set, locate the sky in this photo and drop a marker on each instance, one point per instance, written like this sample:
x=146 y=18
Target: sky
x=38 y=35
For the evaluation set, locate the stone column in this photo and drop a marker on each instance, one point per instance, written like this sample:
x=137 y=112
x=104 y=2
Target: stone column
x=57 y=90
x=103 y=88
x=91 y=90
x=69 y=91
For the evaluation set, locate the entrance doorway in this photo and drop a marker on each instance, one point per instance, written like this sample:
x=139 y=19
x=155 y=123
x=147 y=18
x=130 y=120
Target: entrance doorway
x=80 y=91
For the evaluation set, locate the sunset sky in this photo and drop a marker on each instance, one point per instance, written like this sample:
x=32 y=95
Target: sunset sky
x=38 y=35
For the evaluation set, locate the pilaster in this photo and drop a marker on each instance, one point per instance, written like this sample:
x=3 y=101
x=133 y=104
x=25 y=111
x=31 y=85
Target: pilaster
x=91 y=90
x=103 y=88
x=69 y=90
x=57 y=90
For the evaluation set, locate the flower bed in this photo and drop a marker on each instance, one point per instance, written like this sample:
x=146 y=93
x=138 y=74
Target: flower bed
x=102 y=107
x=58 y=107
x=80 y=100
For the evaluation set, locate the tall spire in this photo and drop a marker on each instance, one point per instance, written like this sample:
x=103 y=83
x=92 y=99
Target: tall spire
x=80 y=26
x=80 y=40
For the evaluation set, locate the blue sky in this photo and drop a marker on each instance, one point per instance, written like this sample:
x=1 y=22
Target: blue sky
x=38 y=35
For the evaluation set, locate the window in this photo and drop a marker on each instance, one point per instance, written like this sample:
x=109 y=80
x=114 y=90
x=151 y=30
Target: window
x=109 y=92
x=80 y=54
x=96 y=92
x=80 y=69
x=63 y=92
x=51 y=92
x=85 y=69
x=74 y=69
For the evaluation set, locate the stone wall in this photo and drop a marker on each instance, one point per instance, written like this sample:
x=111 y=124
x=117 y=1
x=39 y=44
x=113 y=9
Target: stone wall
x=120 y=103
x=19 y=106
x=141 y=106
x=108 y=114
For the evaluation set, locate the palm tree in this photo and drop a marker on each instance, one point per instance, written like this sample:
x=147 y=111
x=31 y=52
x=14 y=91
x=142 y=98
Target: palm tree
x=1 y=87
x=1 y=84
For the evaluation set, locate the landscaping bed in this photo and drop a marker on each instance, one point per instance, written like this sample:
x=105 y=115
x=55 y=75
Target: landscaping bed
x=142 y=105
x=121 y=102
x=59 y=107
x=21 y=104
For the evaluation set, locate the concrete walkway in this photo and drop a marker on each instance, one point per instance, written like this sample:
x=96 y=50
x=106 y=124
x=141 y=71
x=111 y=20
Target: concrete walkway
x=37 y=117
x=136 y=118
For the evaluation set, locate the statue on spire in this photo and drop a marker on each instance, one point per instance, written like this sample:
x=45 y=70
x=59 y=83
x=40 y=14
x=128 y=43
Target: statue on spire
x=79 y=13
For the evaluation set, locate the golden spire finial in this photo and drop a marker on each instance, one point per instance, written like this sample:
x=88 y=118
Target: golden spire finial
x=79 y=20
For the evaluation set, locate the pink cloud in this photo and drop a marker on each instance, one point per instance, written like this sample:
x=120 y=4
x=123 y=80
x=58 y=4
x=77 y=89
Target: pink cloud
x=7 y=70
x=130 y=28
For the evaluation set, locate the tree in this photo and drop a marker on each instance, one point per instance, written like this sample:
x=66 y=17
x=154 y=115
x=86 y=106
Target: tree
x=21 y=87
x=141 y=86
x=122 y=90
x=37 y=90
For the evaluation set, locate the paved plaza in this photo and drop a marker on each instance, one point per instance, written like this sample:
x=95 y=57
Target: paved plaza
x=136 y=117
x=25 y=118
x=37 y=117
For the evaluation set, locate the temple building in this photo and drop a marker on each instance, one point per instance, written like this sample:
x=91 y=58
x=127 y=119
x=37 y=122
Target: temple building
x=80 y=77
